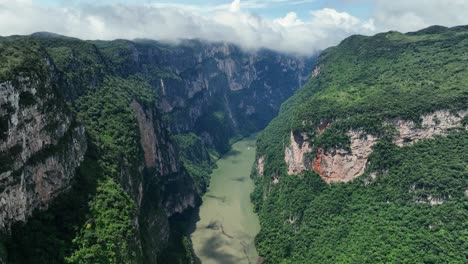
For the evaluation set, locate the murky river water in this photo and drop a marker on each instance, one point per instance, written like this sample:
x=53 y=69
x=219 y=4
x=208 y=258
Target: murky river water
x=227 y=227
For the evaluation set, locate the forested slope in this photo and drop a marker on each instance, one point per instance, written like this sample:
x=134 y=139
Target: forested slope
x=106 y=146
x=368 y=162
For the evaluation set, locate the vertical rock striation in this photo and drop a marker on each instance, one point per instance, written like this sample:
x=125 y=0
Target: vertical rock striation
x=216 y=90
x=341 y=165
x=295 y=154
x=166 y=188
x=40 y=145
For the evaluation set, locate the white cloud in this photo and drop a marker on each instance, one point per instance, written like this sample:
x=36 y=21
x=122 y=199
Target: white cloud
x=235 y=6
x=289 y=20
x=172 y=22
x=226 y=22
x=411 y=15
x=330 y=18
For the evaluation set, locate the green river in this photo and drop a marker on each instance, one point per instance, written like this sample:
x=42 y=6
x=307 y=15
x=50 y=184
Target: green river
x=227 y=226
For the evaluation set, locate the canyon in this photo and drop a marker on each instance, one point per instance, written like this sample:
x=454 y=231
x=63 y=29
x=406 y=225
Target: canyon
x=138 y=151
x=54 y=139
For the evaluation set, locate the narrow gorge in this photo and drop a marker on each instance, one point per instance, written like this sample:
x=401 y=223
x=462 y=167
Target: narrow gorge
x=107 y=146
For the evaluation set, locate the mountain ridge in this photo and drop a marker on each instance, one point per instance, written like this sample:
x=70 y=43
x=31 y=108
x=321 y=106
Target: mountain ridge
x=363 y=163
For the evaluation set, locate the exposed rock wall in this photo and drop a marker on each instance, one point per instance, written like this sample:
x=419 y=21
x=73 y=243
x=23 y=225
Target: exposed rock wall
x=160 y=154
x=166 y=188
x=203 y=83
x=39 y=150
x=434 y=124
x=340 y=165
x=153 y=143
x=261 y=166
x=295 y=154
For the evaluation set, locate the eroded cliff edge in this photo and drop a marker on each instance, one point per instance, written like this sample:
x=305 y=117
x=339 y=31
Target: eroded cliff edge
x=41 y=144
x=342 y=165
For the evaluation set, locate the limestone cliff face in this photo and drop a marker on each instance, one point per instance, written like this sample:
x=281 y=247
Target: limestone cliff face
x=434 y=124
x=161 y=154
x=340 y=165
x=295 y=154
x=260 y=166
x=201 y=84
x=164 y=176
x=40 y=146
x=152 y=142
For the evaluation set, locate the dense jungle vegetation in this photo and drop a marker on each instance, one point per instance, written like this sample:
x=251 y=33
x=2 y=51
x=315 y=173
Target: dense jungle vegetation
x=95 y=222
x=363 y=82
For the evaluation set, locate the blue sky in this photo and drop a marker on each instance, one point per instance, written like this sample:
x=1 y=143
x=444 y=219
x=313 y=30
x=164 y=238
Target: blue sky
x=293 y=26
x=266 y=8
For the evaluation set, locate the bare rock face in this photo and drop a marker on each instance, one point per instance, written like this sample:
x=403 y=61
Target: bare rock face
x=431 y=200
x=336 y=165
x=152 y=142
x=434 y=124
x=316 y=71
x=160 y=154
x=261 y=166
x=339 y=165
x=147 y=134
x=39 y=150
x=166 y=188
x=295 y=154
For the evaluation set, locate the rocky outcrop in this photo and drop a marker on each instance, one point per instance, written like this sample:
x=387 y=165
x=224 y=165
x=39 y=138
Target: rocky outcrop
x=431 y=200
x=434 y=124
x=261 y=166
x=166 y=188
x=336 y=165
x=422 y=194
x=296 y=154
x=275 y=180
x=160 y=154
x=340 y=165
x=40 y=148
x=316 y=71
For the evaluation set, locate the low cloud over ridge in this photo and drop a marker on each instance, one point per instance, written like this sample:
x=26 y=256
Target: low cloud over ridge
x=231 y=23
